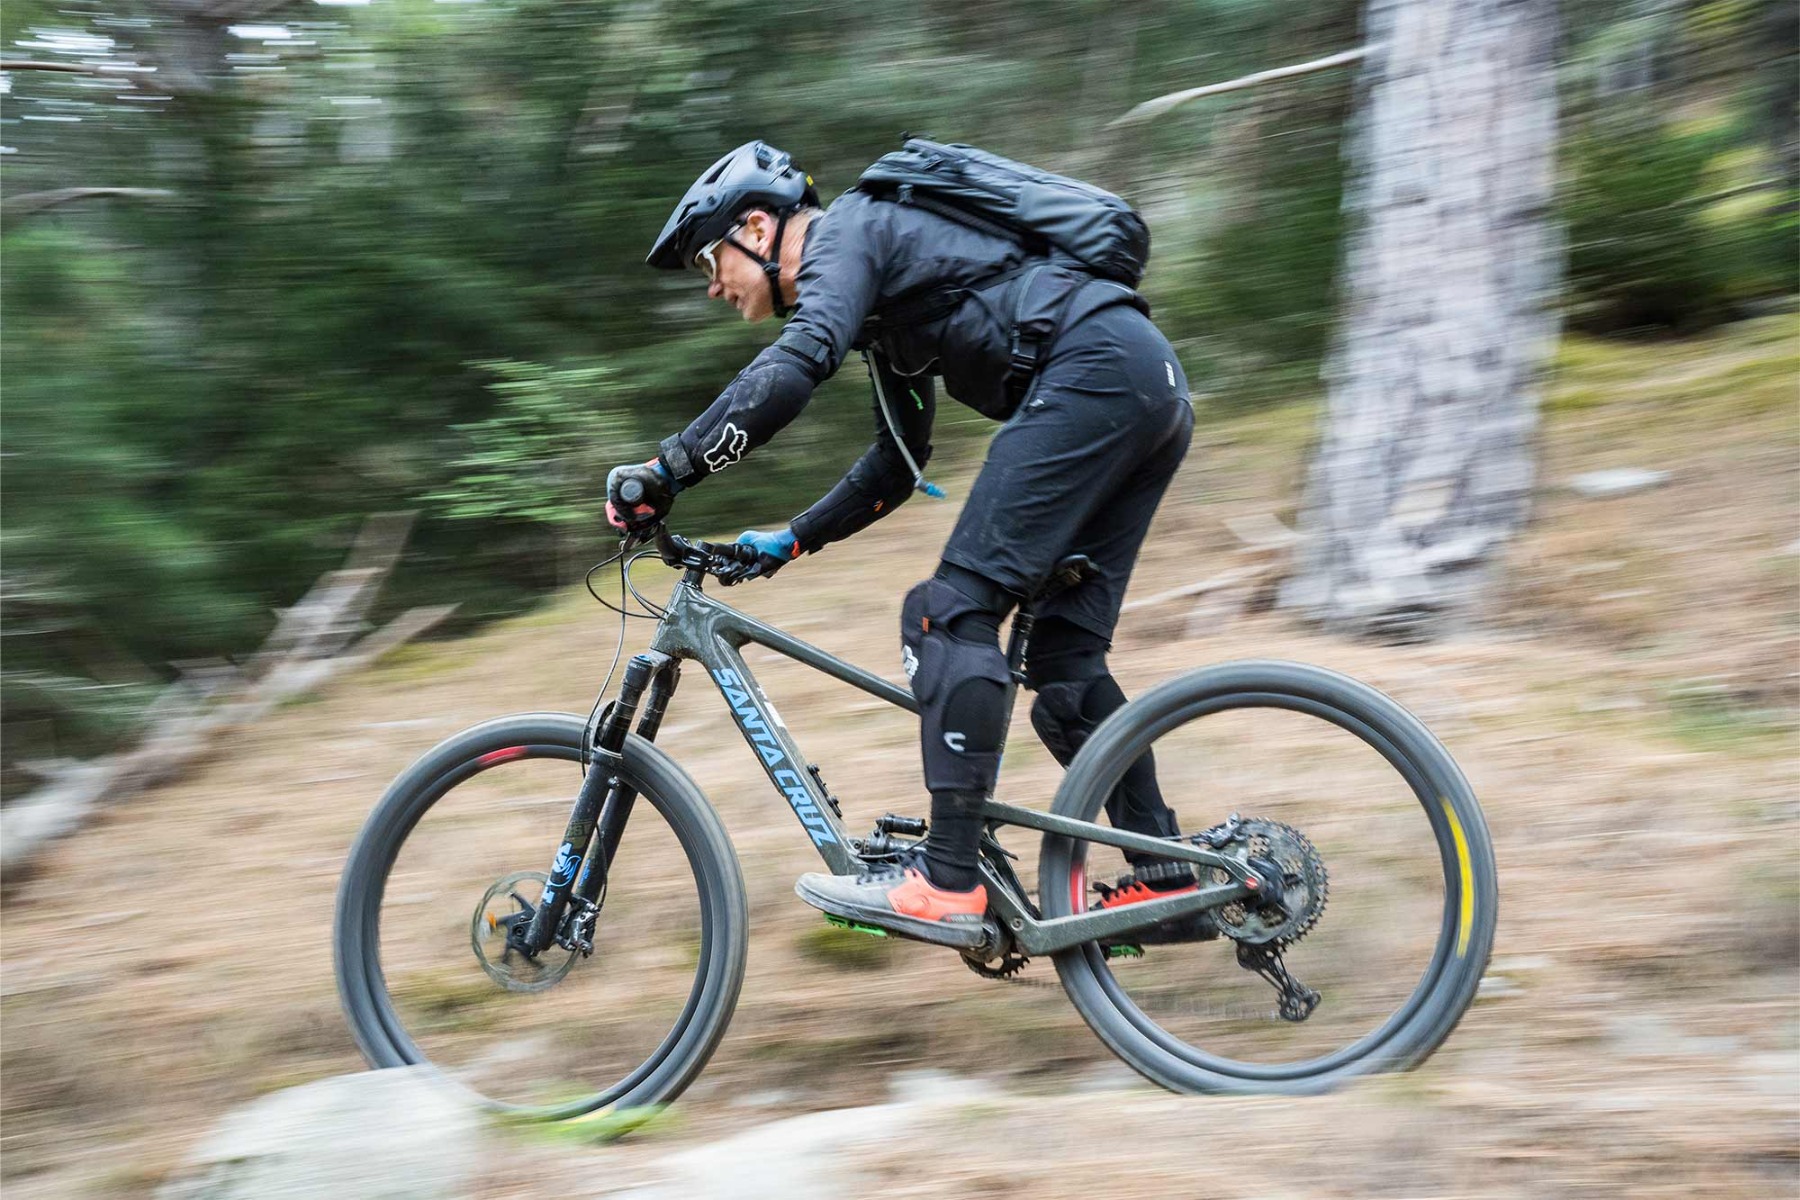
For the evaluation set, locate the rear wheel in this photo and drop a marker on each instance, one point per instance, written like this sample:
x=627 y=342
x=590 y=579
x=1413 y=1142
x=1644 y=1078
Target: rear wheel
x=458 y=846
x=1400 y=908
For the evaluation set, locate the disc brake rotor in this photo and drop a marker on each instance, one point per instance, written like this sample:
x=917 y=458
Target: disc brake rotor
x=511 y=901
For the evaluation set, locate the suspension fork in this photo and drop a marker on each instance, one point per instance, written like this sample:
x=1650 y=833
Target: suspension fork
x=620 y=797
x=604 y=800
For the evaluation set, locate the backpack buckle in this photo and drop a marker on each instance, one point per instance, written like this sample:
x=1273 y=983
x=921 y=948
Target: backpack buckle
x=1022 y=357
x=1022 y=362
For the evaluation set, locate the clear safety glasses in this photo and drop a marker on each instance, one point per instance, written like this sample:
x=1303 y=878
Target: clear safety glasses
x=706 y=261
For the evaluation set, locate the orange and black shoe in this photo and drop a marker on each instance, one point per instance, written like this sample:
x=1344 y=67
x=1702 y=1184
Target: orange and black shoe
x=1158 y=881
x=900 y=898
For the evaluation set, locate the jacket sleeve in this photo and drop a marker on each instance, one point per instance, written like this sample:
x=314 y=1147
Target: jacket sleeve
x=840 y=277
x=880 y=481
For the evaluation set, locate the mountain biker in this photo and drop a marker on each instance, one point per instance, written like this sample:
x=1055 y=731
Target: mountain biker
x=1087 y=448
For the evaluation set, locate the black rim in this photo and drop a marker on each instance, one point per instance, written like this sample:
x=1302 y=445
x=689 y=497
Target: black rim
x=1432 y=979
x=374 y=984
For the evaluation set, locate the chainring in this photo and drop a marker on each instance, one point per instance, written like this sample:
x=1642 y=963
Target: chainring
x=1006 y=966
x=502 y=904
x=1304 y=885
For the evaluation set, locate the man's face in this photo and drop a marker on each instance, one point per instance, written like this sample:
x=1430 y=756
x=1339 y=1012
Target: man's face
x=740 y=280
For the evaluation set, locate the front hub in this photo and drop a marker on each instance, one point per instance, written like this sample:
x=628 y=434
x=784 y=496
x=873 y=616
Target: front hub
x=497 y=933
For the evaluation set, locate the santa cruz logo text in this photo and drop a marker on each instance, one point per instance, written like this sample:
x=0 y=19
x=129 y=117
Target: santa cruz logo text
x=775 y=760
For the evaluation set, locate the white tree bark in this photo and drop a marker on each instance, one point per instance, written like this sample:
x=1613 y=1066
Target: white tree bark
x=1425 y=466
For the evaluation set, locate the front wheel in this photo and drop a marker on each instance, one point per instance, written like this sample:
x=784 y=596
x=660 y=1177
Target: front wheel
x=1357 y=795
x=458 y=847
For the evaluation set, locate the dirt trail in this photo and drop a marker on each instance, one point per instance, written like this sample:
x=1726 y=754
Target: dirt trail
x=1628 y=724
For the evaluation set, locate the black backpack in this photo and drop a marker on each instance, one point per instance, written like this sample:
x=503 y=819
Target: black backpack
x=1081 y=231
x=1059 y=218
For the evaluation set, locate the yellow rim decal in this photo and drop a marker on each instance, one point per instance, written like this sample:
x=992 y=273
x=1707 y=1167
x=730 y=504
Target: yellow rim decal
x=1465 y=923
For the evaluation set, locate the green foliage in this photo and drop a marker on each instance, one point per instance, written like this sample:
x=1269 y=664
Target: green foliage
x=537 y=458
x=1681 y=163
x=1257 y=318
x=1638 y=251
x=1671 y=228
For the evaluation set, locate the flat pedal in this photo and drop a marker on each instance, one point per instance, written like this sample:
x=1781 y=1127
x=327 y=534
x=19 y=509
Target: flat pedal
x=855 y=926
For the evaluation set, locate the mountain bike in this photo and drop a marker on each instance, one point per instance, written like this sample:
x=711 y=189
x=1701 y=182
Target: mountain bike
x=557 y=979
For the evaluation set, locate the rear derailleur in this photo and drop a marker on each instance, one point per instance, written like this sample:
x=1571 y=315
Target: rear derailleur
x=1292 y=898
x=1296 y=1001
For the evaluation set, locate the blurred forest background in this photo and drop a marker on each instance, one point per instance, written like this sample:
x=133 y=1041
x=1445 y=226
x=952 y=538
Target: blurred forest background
x=390 y=257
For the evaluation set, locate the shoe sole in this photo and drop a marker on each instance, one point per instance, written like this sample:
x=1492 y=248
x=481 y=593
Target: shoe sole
x=960 y=935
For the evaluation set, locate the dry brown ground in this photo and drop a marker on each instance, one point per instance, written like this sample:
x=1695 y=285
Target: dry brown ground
x=1628 y=725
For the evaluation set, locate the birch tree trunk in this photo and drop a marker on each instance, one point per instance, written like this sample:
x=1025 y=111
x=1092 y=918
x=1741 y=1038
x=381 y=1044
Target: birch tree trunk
x=1425 y=465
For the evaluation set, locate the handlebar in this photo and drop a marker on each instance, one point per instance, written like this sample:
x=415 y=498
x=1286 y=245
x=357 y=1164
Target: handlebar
x=724 y=561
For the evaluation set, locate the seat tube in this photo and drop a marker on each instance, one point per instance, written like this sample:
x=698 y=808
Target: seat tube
x=1016 y=643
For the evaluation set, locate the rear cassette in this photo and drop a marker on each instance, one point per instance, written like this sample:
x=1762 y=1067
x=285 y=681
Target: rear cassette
x=1284 y=913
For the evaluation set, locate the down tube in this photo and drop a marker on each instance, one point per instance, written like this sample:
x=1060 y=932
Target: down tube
x=774 y=747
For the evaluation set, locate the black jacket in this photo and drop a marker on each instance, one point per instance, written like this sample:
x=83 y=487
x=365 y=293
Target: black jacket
x=927 y=296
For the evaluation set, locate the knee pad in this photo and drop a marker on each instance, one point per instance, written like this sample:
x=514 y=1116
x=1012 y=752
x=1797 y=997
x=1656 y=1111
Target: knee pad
x=960 y=684
x=1066 y=713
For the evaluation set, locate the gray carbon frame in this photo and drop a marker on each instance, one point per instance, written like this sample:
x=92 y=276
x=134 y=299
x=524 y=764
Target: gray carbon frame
x=697 y=627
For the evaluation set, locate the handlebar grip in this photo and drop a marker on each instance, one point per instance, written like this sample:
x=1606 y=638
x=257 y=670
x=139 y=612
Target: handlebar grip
x=632 y=491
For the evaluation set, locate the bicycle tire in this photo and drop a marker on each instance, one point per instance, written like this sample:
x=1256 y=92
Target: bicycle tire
x=1471 y=898
x=719 y=972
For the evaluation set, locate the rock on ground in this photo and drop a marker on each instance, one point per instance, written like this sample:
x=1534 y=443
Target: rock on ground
x=377 y=1135
x=814 y=1157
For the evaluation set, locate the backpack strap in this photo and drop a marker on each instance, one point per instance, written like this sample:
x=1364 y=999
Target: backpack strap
x=1034 y=244
x=1040 y=302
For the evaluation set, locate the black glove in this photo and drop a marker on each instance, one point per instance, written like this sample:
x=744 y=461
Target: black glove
x=639 y=496
x=772 y=551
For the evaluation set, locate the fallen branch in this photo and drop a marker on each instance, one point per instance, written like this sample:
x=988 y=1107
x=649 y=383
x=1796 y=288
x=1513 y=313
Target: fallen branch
x=32 y=64
x=132 y=73
x=1149 y=110
x=413 y=623
x=1267 y=543
x=320 y=637
x=1263 y=533
x=1235 y=577
x=15 y=207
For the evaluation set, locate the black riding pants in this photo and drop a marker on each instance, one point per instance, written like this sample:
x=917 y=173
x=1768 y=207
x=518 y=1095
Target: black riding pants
x=1079 y=469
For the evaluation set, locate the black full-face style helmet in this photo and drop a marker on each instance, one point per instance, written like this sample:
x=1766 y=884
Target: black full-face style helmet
x=755 y=175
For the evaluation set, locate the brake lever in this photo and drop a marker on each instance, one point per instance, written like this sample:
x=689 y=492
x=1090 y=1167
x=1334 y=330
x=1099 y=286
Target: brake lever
x=739 y=562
